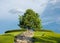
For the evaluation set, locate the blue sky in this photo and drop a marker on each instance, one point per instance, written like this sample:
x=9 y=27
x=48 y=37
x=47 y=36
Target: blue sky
x=49 y=11
x=51 y=16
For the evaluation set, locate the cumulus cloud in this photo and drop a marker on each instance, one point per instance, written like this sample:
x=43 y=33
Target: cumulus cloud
x=16 y=11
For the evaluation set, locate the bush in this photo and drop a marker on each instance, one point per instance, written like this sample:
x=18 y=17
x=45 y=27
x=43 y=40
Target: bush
x=15 y=30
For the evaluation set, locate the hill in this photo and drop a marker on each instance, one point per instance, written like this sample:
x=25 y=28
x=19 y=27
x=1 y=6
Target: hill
x=46 y=37
x=39 y=37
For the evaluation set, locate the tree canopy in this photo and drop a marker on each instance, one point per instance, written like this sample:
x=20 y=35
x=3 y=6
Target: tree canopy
x=30 y=20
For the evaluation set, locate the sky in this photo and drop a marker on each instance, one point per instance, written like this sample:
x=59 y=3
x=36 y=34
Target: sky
x=51 y=16
x=49 y=11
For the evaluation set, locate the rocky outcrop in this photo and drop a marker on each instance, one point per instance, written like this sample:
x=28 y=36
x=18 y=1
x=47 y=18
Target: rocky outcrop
x=25 y=37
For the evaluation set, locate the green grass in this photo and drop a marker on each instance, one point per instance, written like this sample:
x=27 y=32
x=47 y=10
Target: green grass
x=14 y=33
x=39 y=37
x=46 y=37
x=6 y=39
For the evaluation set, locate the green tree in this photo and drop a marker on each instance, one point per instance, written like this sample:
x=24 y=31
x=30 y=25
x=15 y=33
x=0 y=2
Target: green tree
x=30 y=20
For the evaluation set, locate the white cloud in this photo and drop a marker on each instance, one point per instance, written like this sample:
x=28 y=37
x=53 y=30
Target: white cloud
x=53 y=15
x=36 y=5
x=16 y=11
x=7 y=5
x=53 y=2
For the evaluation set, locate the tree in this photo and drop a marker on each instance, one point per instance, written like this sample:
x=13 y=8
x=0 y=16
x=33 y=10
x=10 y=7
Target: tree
x=30 y=20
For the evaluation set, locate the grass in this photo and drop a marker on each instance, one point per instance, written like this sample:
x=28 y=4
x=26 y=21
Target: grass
x=46 y=37
x=8 y=37
x=14 y=33
x=39 y=37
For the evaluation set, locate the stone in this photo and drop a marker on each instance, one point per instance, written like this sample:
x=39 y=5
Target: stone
x=25 y=37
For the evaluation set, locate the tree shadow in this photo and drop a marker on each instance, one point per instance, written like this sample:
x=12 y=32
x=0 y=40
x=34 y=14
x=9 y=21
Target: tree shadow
x=40 y=40
x=53 y=38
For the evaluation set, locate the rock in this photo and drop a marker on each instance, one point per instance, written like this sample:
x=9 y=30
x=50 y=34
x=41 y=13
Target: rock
x=25 y=37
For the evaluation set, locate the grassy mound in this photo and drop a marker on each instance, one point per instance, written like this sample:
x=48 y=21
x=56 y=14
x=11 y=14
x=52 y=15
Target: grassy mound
x=9 y=37
x=46 y=37
x=39 y=37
